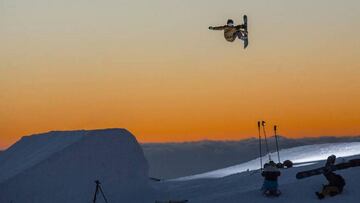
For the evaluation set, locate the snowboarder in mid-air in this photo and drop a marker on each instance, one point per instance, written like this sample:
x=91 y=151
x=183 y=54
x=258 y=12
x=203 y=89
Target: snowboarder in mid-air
x=231 y=31
x=271 y=174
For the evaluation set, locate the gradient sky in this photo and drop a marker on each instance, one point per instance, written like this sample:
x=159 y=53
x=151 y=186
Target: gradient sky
x=154 y=68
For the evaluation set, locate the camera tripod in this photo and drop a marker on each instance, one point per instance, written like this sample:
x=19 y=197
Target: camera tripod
x=98 y=188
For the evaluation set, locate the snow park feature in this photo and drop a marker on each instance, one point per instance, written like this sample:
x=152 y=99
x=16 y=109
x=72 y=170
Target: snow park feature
x=175 y=160
x=237 y=184
x=61 y=166
x=109 y=166
x=301 y=156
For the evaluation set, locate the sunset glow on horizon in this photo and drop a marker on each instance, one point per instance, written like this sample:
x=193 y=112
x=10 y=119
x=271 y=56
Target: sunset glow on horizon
x=154 y=68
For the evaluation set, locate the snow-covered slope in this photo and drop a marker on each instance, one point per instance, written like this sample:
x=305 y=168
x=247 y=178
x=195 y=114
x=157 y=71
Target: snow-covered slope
x=309 y=153
x=31 y=150
x=245 y=187
x=230 y=185
x=62 y=167
x=173 y=160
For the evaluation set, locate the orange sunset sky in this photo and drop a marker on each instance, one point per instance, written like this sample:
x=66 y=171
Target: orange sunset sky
x=154 y=68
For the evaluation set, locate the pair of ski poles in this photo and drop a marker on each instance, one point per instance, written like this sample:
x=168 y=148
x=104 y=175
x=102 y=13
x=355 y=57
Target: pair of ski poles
x=262 y=124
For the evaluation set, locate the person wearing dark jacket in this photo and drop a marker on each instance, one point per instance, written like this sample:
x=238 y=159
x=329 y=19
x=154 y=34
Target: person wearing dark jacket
x=335 y=186
x=270 y=185
x=231 y=31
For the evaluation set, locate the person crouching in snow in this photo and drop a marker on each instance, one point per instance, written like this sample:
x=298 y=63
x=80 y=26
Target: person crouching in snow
x=271 y=174
x=335 y=186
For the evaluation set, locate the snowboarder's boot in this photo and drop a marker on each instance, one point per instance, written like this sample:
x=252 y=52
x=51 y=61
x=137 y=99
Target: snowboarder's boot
x=272 y=193
x=319 y=195
x=330 y=161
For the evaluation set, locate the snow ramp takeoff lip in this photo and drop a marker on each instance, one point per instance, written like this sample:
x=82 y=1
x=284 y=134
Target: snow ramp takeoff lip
x=31 y=150
x=61 y=166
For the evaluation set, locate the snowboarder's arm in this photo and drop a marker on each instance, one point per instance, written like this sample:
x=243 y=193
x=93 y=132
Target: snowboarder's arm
x=217 y=27
x=238 y=27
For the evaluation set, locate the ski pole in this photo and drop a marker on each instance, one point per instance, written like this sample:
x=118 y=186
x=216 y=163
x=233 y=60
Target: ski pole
x=266 y=143
x=261 y=165
x=277 y=144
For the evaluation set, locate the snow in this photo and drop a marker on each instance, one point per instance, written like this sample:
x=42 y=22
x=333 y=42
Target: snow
x=174 y=160
x=245 y=188
x=62 y=167
x=309 y=153
x=31 y=150
x=232 y=186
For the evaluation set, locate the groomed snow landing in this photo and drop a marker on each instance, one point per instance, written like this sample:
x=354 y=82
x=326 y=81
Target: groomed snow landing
x=62 y=166
x=309 y=154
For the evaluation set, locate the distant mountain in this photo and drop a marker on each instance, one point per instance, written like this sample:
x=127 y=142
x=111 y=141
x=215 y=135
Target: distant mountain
x=172 y=160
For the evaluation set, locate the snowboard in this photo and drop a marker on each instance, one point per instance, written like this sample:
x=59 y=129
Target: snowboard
x=245 y=22
x=328 y=168
x=246 y=38
x=155 y=179
x=246 y=41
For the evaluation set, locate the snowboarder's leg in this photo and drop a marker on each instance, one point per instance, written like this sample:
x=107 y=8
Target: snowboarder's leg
x=330 y=191
x=270 y=188
x=238 y=34
x=242 y=35
x=319 y=195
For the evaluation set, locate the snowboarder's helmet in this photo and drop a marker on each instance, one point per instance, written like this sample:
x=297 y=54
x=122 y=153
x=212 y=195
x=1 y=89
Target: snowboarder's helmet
x=288 y=164
x=331 y=160
x=230 y=22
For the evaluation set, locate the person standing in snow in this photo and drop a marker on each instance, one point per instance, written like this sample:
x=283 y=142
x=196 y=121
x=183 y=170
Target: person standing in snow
x=271 y=174
x=335 y=186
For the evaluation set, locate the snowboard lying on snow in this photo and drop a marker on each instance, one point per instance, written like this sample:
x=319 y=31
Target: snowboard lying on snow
x=330 y=166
